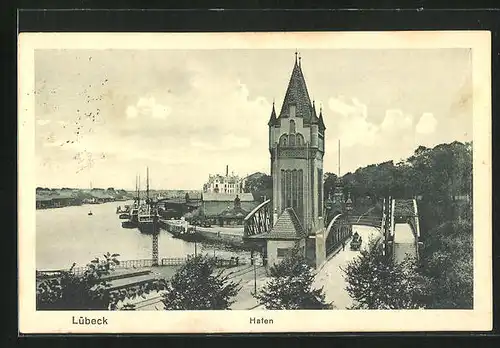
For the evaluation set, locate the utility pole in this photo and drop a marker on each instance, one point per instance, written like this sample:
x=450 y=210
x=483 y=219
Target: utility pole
x=155 y=241
x=339 y=159
x=254 y=279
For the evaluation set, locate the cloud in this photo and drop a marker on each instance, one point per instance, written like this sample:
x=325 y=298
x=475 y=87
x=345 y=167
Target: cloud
x=395 y=120
x=352 y=125
x=148 y=107
x=427 y=124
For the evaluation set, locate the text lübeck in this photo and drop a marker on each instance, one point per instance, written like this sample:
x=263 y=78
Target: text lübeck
x=89 y=321
x=254 y=320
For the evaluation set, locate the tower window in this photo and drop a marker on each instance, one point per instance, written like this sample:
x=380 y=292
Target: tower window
x=300 y=140
x=292 y=127
x=283 y=140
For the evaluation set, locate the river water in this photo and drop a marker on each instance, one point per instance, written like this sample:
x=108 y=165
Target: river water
x=69 y=234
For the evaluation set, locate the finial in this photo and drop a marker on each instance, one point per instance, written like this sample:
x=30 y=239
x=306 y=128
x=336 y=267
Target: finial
x=299 y=59
x=296 y=53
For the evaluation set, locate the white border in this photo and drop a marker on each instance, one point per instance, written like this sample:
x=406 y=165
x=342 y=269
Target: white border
x=478 y=319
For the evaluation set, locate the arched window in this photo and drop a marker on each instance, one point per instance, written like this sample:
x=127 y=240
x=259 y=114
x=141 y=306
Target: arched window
x=291 y=139
x=292 y=127
x=300 y=139
x=283 y=140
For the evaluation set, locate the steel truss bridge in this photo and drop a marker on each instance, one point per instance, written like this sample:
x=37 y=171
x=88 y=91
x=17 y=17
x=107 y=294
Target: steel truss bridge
x=398 y=226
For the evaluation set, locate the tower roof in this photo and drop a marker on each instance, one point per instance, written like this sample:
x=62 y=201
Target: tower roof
x=296 y=94
x=314 y=116
x=321 y=122
x=272 y=119
x=287 y=227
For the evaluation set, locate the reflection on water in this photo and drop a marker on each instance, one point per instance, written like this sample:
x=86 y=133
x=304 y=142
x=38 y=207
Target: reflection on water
x=67 y=235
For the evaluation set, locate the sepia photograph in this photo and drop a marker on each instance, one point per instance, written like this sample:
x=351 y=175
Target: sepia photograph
x=223 y=182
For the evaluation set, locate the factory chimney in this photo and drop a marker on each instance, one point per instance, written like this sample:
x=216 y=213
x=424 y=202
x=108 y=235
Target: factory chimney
x=227 y=170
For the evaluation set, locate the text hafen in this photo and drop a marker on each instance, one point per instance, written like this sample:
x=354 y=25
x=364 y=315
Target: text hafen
x=254 y=320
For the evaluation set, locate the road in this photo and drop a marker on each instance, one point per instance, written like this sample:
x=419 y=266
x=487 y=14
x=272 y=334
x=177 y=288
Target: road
x=331 y=277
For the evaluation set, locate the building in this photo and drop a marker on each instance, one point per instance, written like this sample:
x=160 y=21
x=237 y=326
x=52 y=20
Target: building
x=230 y=184
x=225 y=208
x=233 y=216
x=297 y=147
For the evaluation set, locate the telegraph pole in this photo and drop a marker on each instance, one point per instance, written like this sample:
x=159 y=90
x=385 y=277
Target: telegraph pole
x=254 y=279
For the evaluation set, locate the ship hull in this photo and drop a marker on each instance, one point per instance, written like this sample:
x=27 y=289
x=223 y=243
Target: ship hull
x=149 y=227
x=129 y=224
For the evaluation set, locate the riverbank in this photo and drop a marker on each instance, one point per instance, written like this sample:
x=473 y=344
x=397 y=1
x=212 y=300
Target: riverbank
x=67 y=197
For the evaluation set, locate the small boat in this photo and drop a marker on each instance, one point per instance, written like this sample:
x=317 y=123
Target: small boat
x=90 y=213
x=124 y=216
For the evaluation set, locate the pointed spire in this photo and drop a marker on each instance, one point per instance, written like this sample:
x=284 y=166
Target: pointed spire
x=273 y=118
x=297 y=95
x=321 y=122
x=314 y=118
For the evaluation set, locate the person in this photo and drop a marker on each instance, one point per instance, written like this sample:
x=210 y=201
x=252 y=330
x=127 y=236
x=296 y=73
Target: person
x=343 y=245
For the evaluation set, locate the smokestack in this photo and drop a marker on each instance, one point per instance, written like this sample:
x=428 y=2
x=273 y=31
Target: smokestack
x=227 y=170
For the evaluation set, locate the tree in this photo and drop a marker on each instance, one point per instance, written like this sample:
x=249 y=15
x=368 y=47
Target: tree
x=329 y=182
x=447 y=261
x=90 y=289
x=260 y=185
x=374 y=281
x=197 y=285
x=290 y=286
x=71 y=291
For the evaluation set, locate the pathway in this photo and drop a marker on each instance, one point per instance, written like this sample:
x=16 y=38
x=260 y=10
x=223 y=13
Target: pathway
x=331 y=277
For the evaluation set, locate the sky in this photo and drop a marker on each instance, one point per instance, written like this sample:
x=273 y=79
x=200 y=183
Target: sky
x=103 y=116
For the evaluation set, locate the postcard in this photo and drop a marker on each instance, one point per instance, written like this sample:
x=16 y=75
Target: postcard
x=254 y=182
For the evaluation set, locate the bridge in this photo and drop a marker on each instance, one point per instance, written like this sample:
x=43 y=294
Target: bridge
x=398 y=225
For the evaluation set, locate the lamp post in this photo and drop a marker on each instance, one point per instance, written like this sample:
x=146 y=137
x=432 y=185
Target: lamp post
x=254 y=277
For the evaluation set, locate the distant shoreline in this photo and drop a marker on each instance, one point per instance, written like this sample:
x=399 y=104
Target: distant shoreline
x=47 y=198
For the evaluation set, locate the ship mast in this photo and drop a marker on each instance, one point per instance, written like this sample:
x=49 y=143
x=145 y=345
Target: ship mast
x=147 y=183
x=139 y=190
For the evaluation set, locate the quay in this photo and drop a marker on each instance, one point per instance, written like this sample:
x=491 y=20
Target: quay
x=231 y=236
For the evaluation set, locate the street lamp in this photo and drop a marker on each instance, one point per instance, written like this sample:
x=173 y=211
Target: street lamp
x=254 y=276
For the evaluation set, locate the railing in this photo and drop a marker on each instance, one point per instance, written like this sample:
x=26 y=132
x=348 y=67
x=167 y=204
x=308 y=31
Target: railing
x=258 y=220
x=330 y=225
x=366 y=221
x=140 y=263
x=337 y=232
x=417 y=223
x=172 y=261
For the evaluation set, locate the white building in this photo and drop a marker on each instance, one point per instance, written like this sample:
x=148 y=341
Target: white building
x=217 y=183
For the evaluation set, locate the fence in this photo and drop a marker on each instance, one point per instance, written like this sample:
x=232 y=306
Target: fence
x=172 y=261
x=141 y=263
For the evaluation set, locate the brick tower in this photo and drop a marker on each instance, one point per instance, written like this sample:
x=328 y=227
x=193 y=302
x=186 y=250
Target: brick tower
x=297 y=147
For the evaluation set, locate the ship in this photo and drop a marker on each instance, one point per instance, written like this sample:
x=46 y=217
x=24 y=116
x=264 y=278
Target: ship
x=132 y=217
x=148 y=214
